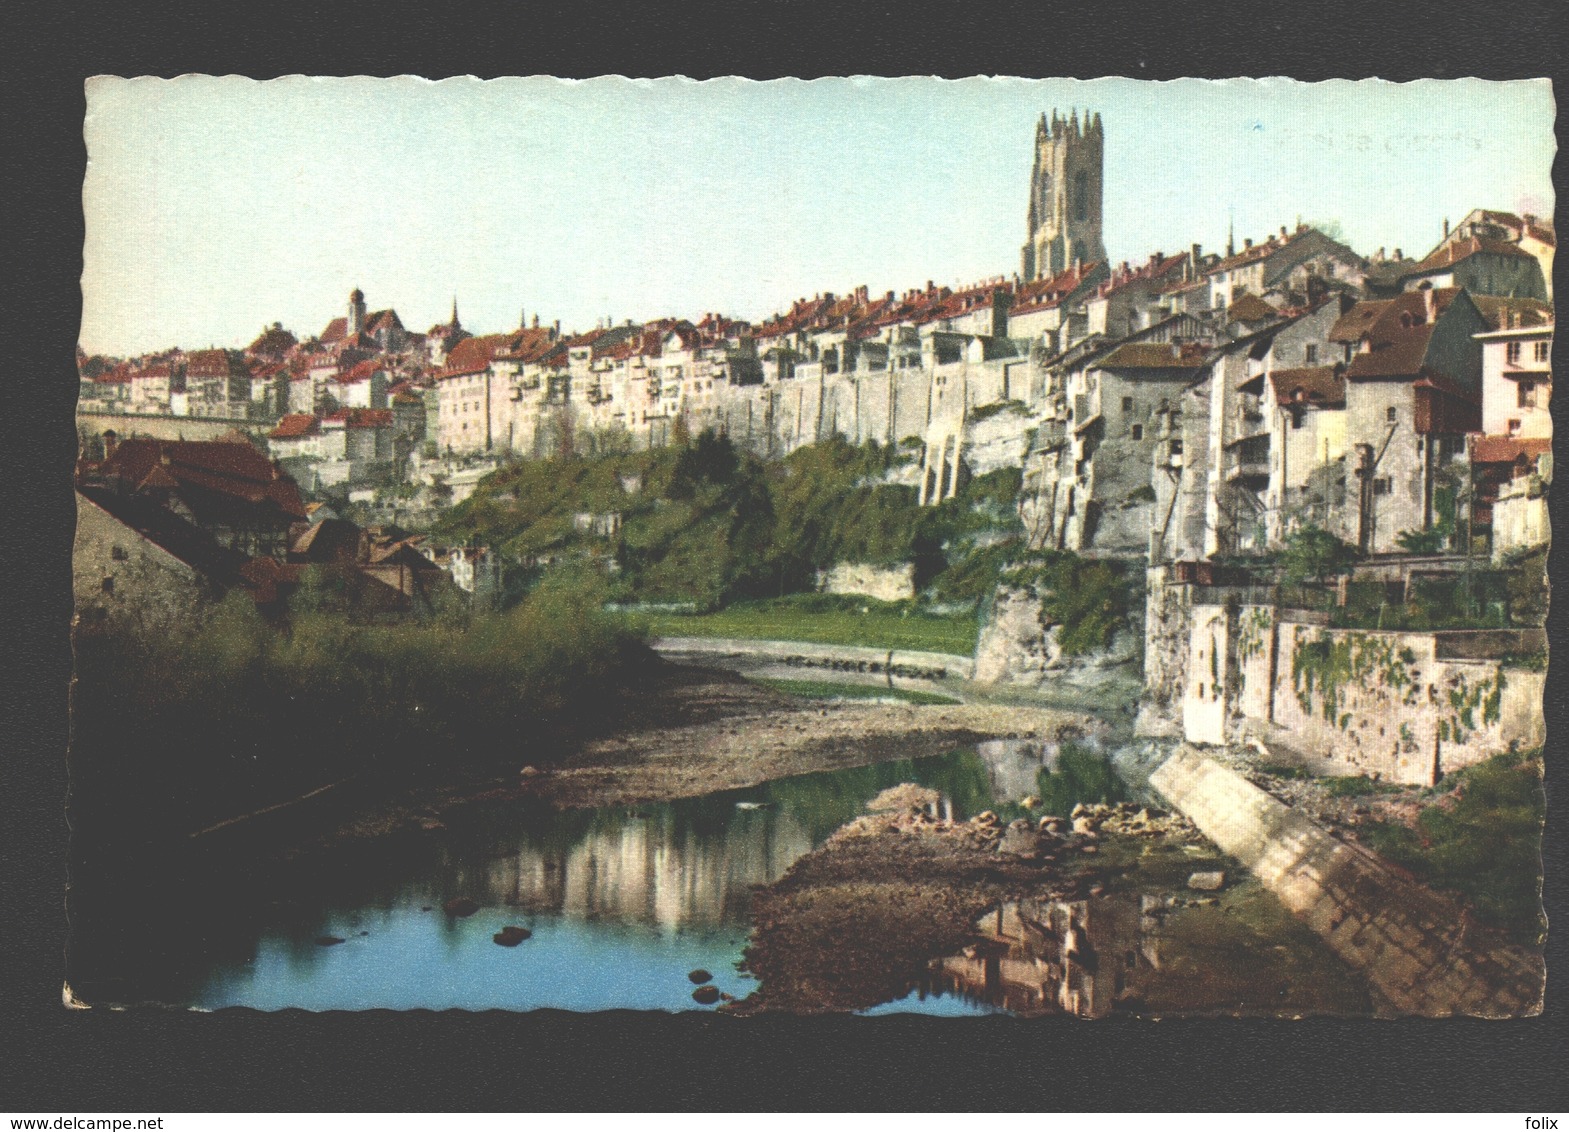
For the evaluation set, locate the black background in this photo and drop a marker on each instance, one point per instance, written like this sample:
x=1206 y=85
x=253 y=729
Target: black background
x=57 y=1060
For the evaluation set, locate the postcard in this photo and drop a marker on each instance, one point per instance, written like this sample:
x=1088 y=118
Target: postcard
x=878 y=546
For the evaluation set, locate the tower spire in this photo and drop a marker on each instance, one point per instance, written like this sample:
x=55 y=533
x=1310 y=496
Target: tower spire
x=1231 y=233
x=454 y=322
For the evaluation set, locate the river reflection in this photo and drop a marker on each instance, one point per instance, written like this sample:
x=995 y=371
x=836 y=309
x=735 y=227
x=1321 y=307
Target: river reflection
x=622 y=903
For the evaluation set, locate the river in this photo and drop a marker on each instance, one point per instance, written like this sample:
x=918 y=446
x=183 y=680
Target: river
x=623 y=903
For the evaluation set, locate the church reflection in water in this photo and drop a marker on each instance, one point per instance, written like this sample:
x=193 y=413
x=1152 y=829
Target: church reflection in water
x=1080 y=957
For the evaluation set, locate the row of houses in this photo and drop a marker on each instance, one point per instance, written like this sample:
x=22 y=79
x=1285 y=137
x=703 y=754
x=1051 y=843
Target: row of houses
x=165 y=528
x=1387 y=421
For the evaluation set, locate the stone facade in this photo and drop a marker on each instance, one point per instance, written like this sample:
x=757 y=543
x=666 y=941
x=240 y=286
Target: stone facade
x=1406 y=707
x=122 y=580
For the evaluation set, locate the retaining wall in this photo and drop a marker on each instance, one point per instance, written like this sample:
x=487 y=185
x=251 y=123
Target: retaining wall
x=1415 y=946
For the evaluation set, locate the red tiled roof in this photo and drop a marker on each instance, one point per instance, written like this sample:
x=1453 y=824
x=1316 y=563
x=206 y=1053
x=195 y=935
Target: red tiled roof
x=228 y=469
x=360 y=418
x=1252 y=255
x=336 y=329
x=383 y=320
x=472 y=355
x=524 y=345
x=293 y=426
x=1397 y=335
x=1507 y=449
x=1314 y=385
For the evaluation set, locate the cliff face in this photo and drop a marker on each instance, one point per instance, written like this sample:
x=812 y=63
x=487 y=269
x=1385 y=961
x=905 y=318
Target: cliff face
x=1018 y=647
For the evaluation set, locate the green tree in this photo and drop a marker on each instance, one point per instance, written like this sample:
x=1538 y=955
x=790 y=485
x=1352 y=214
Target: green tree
x=1311 y=553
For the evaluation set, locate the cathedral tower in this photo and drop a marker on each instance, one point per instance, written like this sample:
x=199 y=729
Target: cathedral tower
x=1065 y=196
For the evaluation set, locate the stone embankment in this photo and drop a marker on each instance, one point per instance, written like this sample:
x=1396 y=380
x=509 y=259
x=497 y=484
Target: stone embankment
x=1417 y=948
x=909 y=664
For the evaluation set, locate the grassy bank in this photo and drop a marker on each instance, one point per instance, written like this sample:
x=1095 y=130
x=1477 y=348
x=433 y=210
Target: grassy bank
x=1481 y=838
x=826 y=621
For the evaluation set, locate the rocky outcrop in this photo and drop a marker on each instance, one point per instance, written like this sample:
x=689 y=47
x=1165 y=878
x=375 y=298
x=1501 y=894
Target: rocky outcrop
x=1018 y=647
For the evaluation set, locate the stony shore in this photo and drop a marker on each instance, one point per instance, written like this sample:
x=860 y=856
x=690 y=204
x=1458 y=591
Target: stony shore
x=695 y=731
x=847 y=925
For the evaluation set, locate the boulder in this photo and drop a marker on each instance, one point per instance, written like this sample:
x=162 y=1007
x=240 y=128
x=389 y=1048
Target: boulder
x=1083 y=825
x=986 y=817
x=1019 y=840
x=511 y=935
x=460 y=906
x=700 y=976
x=706 y=995
x=1207 y=881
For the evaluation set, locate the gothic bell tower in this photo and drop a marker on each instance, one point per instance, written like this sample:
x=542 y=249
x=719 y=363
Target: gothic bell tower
x=1065 y=196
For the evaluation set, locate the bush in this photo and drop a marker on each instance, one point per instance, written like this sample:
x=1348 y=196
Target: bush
x=234 y=712
x=1311 y=553
x=1484 y=842
x=1089 y=599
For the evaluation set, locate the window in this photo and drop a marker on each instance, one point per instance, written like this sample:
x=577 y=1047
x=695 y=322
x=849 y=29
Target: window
x=1543 y=350
x=1512 y=353
x=1514 y=428
x=1381 y=485
x=1081 y=195
x=1526 y=395
x=1138 y=432
x=1310 y=353
x=1127 y=404
x=1176 y=447
x=1391 y=414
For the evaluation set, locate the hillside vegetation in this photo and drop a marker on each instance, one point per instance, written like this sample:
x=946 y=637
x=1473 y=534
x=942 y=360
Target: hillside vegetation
x=705 y=524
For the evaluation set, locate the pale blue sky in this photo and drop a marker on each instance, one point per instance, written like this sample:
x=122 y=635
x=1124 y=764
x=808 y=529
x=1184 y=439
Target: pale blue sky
x=216 y=206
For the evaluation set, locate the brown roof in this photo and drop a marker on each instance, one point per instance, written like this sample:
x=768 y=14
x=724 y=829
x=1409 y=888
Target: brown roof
x=1507 y=449
x=274 y=342
x=472 y=355
x=1151 y=355
x=1314 y=385
x=1447 y=255
x=1249 y=308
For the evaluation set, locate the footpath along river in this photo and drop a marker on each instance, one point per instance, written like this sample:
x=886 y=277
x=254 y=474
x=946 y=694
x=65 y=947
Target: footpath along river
x=637 y=872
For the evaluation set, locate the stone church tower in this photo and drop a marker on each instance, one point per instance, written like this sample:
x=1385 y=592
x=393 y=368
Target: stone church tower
x=1065 y=196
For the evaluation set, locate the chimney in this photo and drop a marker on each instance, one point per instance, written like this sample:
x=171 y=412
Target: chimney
x=1247 y=243
x=1399 y=255
x=1282 y=232
x=1427 y=301
x=1446 y=227
x=555 y=331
